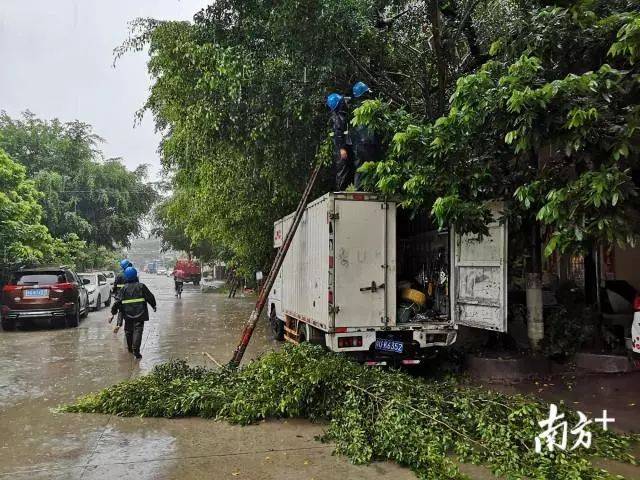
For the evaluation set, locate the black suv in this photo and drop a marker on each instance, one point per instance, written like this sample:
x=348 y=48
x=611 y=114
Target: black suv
x=53 y=293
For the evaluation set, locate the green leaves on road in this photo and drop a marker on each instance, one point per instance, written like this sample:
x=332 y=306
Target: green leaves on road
x=372 y=414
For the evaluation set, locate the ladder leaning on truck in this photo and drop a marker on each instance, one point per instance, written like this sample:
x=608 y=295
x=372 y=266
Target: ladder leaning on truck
x=249 y=327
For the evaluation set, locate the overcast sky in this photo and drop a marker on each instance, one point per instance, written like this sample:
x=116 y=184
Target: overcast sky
x=56 y=60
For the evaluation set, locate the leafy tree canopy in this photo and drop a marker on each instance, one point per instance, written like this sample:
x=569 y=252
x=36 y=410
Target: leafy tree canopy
x=171 y=229
x=239 y=96
x=83 y=194
x=550 y=124
x=22 y=236
x=535 y=103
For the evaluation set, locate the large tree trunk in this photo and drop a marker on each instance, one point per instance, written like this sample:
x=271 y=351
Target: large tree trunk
x=441 y=64
x=535 y=319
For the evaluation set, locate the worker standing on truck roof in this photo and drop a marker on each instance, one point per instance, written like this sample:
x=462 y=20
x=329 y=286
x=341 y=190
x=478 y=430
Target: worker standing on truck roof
x=132 y=301
x=117 y=285
x=343 y=153
x=366 y=146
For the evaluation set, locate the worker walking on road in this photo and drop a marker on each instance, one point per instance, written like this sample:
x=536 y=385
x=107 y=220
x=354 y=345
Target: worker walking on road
x=341 y=141
x=117 y=286
x=366 y=145
x=132 y=300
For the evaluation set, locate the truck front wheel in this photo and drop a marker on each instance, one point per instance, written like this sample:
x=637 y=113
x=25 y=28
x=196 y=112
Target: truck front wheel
x=277 y=327
x=302 y=333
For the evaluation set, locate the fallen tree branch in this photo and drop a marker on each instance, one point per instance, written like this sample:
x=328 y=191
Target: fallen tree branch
x=431 y=417
x=212 y=359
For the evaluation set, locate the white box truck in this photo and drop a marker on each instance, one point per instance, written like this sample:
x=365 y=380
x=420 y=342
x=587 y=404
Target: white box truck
x=338 y=285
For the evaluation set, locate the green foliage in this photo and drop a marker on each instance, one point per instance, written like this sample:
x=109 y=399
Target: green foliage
x=552 y=122
x=628 y=39
x=564 y=333
x=171 y=227
x=98 y=200
x=94 y=257
x=372 y=414
x=239 y=97
x=22 y=235
x=598 y=206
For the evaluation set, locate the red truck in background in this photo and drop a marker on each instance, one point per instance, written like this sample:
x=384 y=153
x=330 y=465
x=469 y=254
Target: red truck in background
x=187 y=271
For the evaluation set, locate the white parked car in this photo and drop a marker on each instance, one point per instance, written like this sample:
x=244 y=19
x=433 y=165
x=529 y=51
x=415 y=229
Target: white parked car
x=162 y=271
x=98 y=288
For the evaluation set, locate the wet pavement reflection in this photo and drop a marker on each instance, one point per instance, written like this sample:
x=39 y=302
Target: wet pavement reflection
x=42 y=368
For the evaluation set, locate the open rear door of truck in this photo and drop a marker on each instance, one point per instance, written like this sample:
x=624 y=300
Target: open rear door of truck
x=479 y=277
x=365 y=295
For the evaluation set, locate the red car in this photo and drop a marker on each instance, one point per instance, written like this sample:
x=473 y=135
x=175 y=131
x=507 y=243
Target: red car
x=56 y=294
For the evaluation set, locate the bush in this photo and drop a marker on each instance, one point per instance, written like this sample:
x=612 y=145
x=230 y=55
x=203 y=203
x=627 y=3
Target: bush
x=564 y=333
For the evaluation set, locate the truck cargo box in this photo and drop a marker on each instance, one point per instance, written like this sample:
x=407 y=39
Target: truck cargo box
x=340 y=268
x=338 y=282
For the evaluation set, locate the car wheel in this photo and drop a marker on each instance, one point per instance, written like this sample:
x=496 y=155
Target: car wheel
x=98 y=303
x=85 y=313
x=73 y=319
x=108 y=302
x=8 y=325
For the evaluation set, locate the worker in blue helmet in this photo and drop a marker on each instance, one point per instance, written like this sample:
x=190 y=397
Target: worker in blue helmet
x=117 y=285
x=132 y=301
x=119 y=281
x=342 y=147
x=366 y=144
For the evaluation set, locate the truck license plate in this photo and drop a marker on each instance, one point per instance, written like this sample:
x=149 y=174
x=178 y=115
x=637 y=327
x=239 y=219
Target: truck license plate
x=389 y=345
x=36 y=293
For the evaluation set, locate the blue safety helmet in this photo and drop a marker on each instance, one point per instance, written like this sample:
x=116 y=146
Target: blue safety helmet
x=360 y=89
x=333 y=101
x=125 y=263
x=130 y=273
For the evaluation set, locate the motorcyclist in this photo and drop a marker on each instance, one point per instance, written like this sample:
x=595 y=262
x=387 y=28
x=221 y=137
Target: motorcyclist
x=117 y=285
x=132 y=301
x=341 y=141
x=366 y=145
x=178 y=282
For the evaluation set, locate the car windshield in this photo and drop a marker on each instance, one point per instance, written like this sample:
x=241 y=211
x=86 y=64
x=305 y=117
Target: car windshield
x=37 y=278
x=91 y=278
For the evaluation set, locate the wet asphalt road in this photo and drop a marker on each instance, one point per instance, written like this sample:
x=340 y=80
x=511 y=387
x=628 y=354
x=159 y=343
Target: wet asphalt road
x=42 y=368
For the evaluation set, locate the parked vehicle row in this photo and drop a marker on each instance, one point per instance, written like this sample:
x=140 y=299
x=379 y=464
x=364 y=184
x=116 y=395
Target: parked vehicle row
x=56 y=294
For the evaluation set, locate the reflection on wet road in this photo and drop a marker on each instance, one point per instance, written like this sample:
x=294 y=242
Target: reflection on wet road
x=42 y=368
